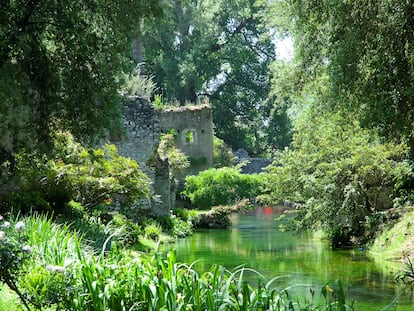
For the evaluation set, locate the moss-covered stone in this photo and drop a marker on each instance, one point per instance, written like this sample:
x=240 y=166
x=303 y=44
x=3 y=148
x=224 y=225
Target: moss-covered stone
x=219 y=216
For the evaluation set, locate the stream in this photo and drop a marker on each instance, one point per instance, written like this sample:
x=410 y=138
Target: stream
x=255 y=241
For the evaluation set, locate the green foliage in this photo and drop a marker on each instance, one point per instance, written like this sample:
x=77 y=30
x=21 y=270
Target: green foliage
x=96 y=175
x=395 y=240
x=221 y=187
x=351 y=72
x=218 y=50
x=183 y=221
x=181 y=228
x=366 y=49
x=186 y=215
x=125 y=231
x=406 y=276
x=222 y=155
x=341 y=174
x=46 y=280
x=152 y=230
x=60 y=66
x=14 y=252
x=158 y=103
x=176 y=158
x=8 y=299
x=91 y=177
x=137 y=84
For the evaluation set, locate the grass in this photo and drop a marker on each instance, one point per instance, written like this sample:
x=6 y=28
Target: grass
x=395 y=244
x=8 y=299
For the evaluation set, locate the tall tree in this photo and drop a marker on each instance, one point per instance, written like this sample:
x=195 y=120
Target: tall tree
x=218 y=50
x=366 y=47
x=59 y=66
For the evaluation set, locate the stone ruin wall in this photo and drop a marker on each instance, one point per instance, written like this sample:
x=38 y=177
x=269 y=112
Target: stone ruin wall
x=138 y=142
x=250 y=165
x=194 y=134
x=144 y=125
x=142 y=130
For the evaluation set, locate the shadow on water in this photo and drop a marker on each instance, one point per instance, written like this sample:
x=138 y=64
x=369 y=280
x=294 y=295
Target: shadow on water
x=255 y=241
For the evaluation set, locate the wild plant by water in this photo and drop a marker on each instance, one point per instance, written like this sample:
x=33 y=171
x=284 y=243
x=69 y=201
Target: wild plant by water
x=406 y=275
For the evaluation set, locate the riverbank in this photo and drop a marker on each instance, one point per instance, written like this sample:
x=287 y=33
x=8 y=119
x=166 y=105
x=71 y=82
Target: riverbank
x=393 y=246
x=255 y=241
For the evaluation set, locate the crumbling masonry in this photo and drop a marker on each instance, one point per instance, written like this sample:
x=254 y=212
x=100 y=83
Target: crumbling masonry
x=144 y=125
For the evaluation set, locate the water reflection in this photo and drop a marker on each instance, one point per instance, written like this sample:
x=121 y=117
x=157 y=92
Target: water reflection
x=255 y=242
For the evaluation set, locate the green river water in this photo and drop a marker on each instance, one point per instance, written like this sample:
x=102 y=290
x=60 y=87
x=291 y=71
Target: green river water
x=255 y=242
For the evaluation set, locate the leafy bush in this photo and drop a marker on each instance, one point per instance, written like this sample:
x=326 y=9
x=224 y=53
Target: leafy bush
x=221 y=186
x=152 y=230
x=342 y=175
x=190 y=217
x=96 y=175
x=14 y=252
x=182 y=222
x=138 y=84
x=124 y=230
x=222 y=155
x=85 y=175
x=176 y=158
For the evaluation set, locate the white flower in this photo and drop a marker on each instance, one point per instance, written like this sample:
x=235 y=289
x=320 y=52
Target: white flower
x=2 y=235
x=56 y=269
x=19 y=226
x=27 y=249
x=6 y=225
x=68 y=262
x=1 y=217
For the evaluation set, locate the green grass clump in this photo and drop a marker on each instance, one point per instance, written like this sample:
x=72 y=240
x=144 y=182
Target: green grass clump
x=397 y=242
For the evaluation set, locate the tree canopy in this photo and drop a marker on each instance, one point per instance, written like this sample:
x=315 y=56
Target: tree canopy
x=341 y=175
x=60 y=64
x=349 y=92
x=218 y=50
x=366 y=49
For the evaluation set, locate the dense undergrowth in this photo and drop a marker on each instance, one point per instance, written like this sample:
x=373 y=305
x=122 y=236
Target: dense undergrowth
x=344 y=179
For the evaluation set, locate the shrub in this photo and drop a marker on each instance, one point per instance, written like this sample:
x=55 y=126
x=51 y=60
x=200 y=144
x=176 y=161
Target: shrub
x=124 y=230
x=85 y=175
x=96 y=175
x=152 y=230
x=342 y=175
x=14 y=252
x=181 y=228
x=222 y=155
x=182 y=213
x=221 y=186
